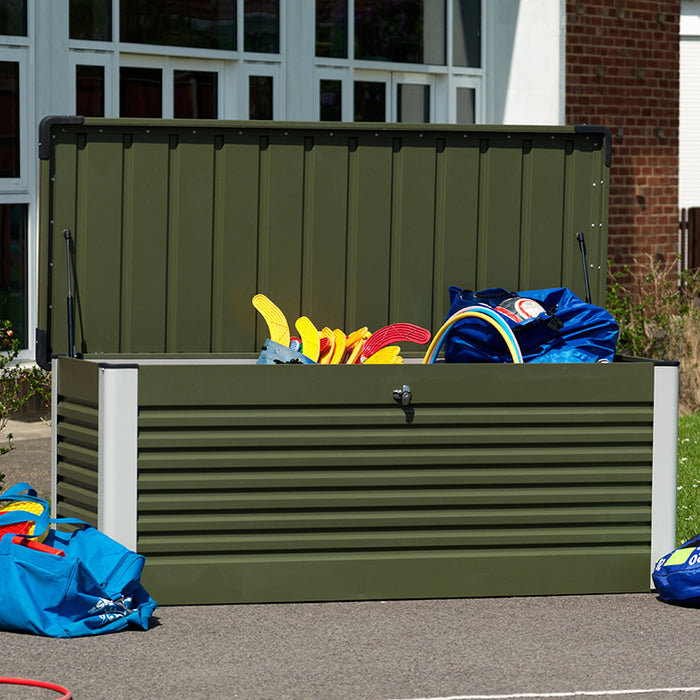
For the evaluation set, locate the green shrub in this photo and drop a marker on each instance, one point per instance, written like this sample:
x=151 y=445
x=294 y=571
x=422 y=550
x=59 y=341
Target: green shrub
x=18 y=384
x=658 y=311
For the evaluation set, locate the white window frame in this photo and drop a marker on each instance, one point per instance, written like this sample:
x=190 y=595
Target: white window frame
x=168 y=65
x=465 y=81
x=375 y=76
x=206 y=66
x=20 y=55
x=342 y=75
x=94 y=58
x=442 y=79
x=402 y=78
x=255 y=68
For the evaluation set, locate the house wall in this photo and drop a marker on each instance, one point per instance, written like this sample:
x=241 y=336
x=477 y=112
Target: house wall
x=525 y=78
x=689 y=127
x=622 y=71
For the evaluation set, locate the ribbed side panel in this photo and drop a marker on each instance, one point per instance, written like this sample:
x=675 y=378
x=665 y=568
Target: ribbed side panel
x=279 y=489
x=77 y=459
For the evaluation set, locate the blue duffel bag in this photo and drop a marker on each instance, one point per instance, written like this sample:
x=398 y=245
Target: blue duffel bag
x=65 y=584
x=550 y=325
x=676 y=575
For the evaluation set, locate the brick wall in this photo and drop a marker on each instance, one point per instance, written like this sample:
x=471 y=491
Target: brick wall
x=622 y=71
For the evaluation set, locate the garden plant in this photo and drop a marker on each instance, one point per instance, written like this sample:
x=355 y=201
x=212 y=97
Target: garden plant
x=18 y=384
x=658 y=311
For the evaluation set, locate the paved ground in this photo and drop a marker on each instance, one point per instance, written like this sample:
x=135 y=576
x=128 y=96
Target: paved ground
x=568 y=646
x=369 y=651
x=30 y=461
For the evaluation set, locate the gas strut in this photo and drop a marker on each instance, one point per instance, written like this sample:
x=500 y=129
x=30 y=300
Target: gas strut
x=582 y=245
x=69 y=300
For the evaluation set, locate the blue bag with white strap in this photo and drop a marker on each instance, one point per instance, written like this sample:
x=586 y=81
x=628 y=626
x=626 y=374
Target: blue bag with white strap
x=69 y=584
x=550 y=325
x=676 y=575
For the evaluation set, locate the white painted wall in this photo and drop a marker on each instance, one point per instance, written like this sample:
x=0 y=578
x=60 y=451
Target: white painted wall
x=526 y=45
x=689 y=109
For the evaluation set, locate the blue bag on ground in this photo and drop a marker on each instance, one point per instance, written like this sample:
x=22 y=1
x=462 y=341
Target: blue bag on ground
x=676 y=575
x=93 y=588
x=567 y=329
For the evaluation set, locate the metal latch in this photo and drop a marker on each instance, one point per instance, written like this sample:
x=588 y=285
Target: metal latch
x=403 y=395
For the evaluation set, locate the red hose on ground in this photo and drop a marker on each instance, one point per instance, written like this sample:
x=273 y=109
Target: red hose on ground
x=67 y=695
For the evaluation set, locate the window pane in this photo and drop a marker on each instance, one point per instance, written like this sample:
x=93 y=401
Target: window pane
x=13 y=268
x=9 y=119
x=413 y=103
x=260 y=97
x=332 y=28
x=466 y=33
x=90 y=91
x=402 y=31
x=331 y=100
x=466 y=106
x=91 y=19
x=140 y=92
x=206 y=24
x=261 y=26
x=370 y=101
x=195 y=94
x=13 y=17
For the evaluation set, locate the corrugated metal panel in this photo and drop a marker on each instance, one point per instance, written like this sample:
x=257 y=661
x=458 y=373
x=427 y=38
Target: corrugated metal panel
x=178 y=224
x=276 y=488
x=77 y=446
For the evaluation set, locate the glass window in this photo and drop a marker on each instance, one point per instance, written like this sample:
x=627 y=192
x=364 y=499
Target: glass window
x=205 y=24
x=412 y=103
x=260 y=97
x=13 y=17
x=195 y=94
x=9 y=119
x=261 y=26
x=331 y=100
x=369 y=101
x=90 y=91
x=466 y=33
x=91 y=20
x=466 y=105
x=402 y=31
x=332 y=28
x=13 y=268
x=140 y=92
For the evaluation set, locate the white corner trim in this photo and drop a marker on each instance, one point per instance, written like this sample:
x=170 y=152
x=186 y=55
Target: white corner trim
x=664 y=462
x=117 y=453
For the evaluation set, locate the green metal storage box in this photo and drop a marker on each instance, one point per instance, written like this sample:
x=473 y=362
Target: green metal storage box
x=248 y=483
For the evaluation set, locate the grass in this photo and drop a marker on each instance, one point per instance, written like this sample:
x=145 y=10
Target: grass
x=688 y=494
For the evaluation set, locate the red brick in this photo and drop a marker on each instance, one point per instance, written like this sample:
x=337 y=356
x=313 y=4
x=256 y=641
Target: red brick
x=643 y=214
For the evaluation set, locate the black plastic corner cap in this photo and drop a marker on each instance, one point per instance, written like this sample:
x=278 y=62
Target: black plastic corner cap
x=601 y=131
x=45 y=131
x=42 y=353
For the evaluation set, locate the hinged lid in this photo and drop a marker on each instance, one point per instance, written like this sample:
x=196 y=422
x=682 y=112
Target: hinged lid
x=177 y=224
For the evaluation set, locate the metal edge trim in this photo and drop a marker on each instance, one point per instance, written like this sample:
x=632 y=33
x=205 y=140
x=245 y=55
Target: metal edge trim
x=45 y=131
x=604 y=132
